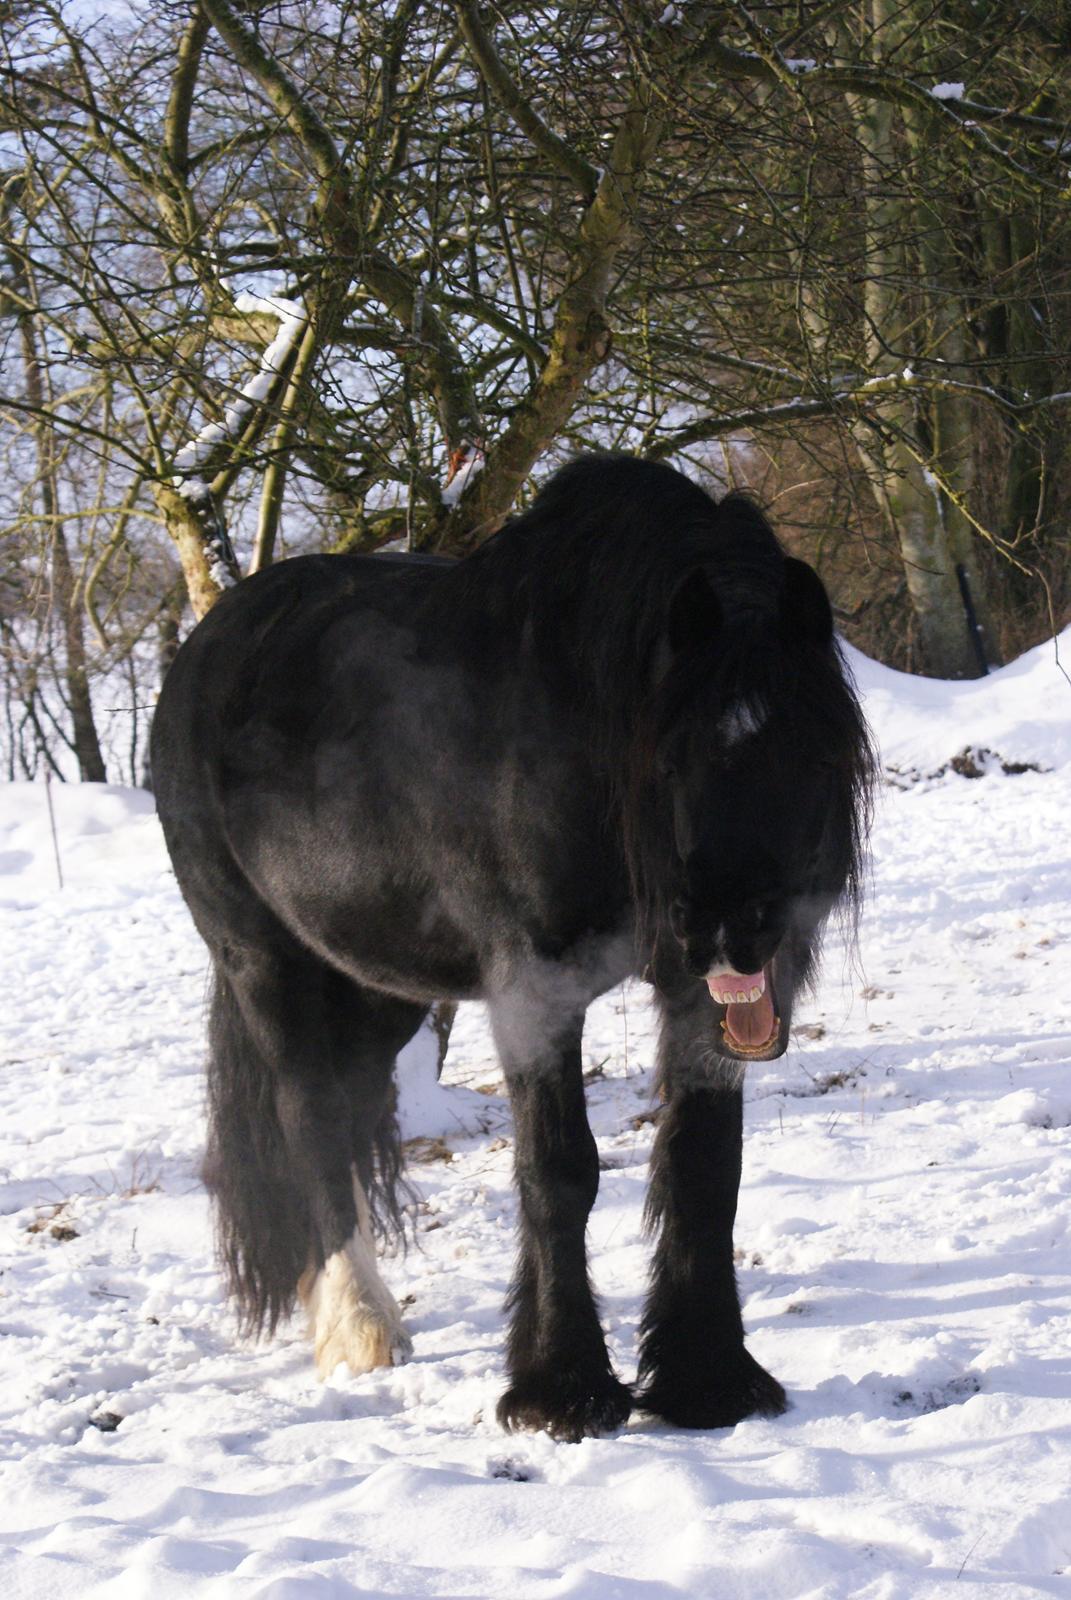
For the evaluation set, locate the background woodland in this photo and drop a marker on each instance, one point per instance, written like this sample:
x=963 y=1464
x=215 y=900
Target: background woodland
x=281 y=277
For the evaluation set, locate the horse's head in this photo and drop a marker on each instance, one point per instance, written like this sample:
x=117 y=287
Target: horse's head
x=764 y=769
x=764 y=853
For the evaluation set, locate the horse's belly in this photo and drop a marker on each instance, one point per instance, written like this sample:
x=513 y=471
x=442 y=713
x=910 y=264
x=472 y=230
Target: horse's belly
x=428 y=914
x=417 y=972
x=388 y=943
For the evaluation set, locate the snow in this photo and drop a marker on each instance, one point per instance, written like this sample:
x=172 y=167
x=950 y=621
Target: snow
x=948 y=91
x=192 y=488
x=904 y=1238
x=220 y=574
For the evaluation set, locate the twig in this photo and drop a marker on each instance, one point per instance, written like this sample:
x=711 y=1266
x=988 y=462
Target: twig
x=969 y=1554
x=52 y=823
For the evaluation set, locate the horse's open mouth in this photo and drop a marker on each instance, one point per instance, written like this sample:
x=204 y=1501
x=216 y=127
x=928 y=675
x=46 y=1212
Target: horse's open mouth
x=750 y=1024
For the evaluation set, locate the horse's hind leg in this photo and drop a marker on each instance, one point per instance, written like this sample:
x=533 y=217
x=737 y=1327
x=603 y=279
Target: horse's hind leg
x=560 y=1373
x=353 y=1317
x=301 y=1126
x=696 y=1370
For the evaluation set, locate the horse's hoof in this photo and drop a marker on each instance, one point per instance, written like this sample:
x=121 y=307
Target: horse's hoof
x=401 y=1349
x=569 y=1408
x=363 y=1343
x=353 y=1317
x=720 y=1400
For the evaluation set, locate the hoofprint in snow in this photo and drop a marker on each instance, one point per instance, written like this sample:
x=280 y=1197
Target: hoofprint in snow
x=903 y=1240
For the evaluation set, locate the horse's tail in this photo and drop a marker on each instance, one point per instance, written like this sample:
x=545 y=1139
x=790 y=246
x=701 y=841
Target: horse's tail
x=302 y=1131
x=263 y=1226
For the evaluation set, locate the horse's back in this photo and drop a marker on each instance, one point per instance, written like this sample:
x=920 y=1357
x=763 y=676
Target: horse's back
x=283 y=674
x=262 y=646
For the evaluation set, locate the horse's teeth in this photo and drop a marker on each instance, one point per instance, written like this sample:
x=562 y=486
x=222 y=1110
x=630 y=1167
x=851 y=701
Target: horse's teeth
x=739 y=997
x=743 y=997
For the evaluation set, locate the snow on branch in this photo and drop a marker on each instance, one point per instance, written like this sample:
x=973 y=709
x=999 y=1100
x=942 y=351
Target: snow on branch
x=194 y=457
x=198 y=460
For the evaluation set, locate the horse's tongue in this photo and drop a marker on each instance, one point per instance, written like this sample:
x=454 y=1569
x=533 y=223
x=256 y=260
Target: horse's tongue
x=751 y=1024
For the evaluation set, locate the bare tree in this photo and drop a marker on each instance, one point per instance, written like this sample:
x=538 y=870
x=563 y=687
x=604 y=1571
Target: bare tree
x=295 y=273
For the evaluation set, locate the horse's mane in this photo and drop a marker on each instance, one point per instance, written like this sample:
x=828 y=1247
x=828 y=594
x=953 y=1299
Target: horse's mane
x=592 y=572
x=591 y=568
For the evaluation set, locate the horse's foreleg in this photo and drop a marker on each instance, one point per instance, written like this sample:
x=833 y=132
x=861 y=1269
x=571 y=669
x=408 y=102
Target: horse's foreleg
x=560 y=1374
x=694 y=1367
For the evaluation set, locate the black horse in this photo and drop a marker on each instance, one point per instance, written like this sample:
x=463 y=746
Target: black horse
x=617 y=740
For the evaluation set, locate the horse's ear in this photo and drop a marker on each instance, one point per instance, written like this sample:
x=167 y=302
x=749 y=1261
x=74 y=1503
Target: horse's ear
x=805 y=609
x=694 y=613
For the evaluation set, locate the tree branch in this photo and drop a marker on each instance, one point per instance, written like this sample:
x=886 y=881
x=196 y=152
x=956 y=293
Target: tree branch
x=963 y=116
x=581 y=336
x=349 y=254
x=865 y=393
x=494 y=70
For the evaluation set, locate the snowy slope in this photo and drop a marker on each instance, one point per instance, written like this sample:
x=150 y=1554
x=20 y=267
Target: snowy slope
x=1021 y=713
x=904 y=1242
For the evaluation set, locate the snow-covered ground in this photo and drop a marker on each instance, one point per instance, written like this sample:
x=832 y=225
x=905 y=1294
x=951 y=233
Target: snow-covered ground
x=904 y=1245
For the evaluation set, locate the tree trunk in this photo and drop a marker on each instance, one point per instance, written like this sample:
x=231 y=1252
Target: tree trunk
x=167 y=644
x=951 y=422
x=65 y=597
x=204 y=551
x=1014 y=330
x=912 y=506
x=69 y=605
